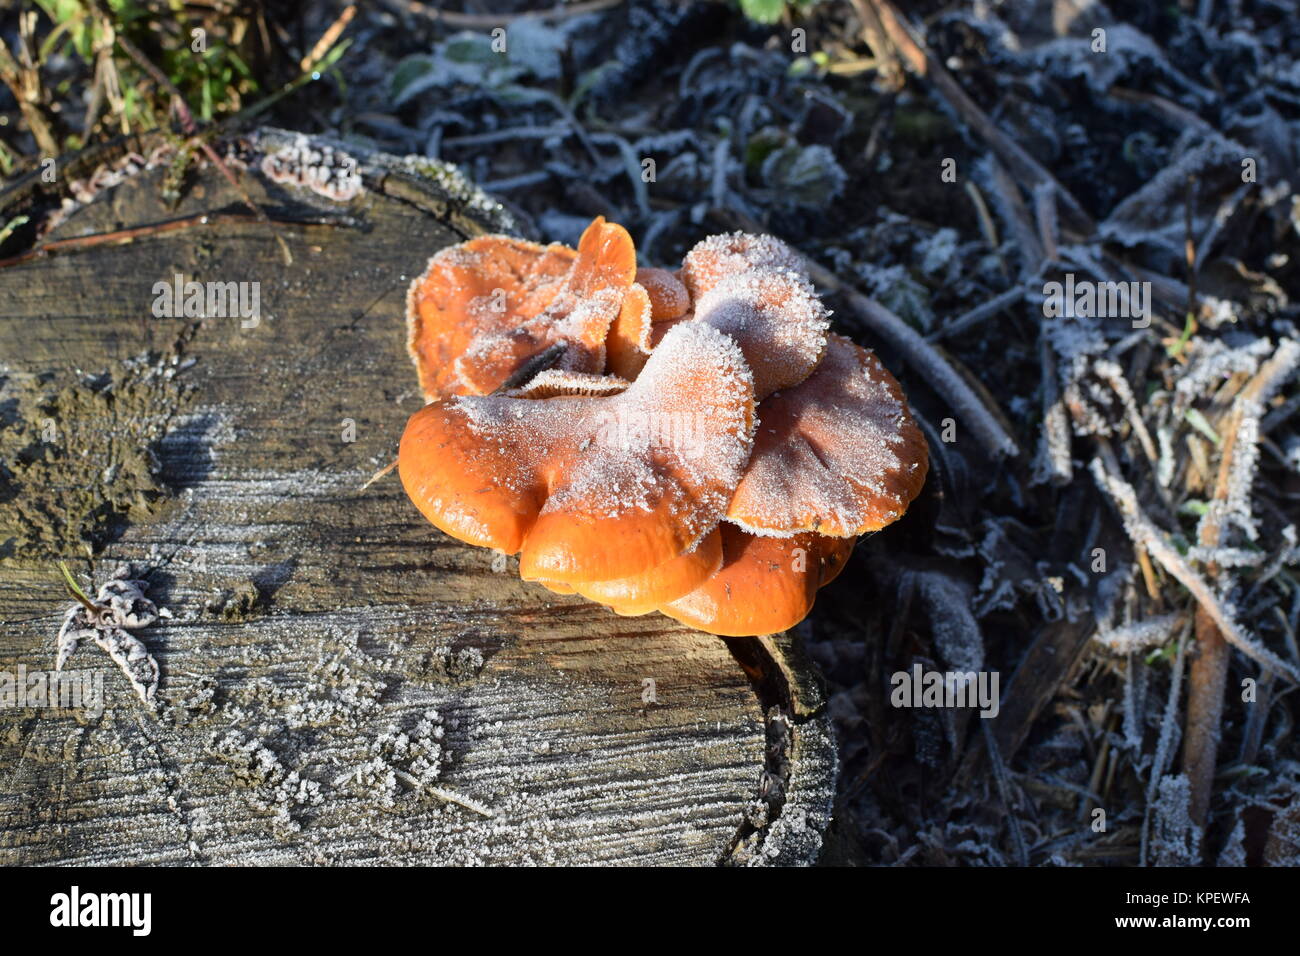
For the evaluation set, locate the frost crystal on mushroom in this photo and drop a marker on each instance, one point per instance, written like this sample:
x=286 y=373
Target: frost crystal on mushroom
x=701 y=446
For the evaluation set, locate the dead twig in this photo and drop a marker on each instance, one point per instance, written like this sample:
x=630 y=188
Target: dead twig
x=1209 y=673
x=481 y=21
x=1143 y=532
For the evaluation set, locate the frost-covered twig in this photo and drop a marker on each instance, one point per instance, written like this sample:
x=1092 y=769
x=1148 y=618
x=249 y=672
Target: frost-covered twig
x=968 y=320
x=1054 y=463
x=1113 y=376
x=1145 y=534
x=1231 y=502
x=1139 y=636
x=1165 y=742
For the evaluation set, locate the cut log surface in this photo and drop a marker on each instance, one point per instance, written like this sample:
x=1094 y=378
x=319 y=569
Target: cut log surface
x=339 y=681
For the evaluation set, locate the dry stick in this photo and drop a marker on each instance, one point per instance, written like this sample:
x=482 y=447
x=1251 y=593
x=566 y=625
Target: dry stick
x=882 y=48
x=978 y=314
x=387 y=469
x=1016 y=215
x=987 y=226
x=1003 y=784
x=927 y=65
x=1049 y=230
x=1168 y=109
x=18 y=79
x=123 y=236
x=1209 y=674
x=479 y=21
x=328 y=38
x=1165 y=740
x=1105 y=470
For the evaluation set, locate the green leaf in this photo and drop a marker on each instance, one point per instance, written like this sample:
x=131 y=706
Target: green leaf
x=409 y=71
x=1202 y=425
x=72 y=586
x=763 y=11
x=7 y=230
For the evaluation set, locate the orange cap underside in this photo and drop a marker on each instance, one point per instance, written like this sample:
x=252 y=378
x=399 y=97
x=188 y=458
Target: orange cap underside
x=486 y=307
x=765 y=585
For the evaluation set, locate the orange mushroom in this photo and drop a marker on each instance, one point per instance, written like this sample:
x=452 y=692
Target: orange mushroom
x=765 y=585
x=717 y=257
x=656 y=297
x=839 y=454
x=775 y=318
x=628 y=344
x=587 y=488
x=703 y=447
x=668 y=297
x=643 y=593
x=485 y=307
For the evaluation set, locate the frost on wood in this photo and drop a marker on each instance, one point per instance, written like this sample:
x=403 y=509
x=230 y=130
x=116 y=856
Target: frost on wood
x=316 y=166
x=271 y=788
x=121 y=607
x=401 y=761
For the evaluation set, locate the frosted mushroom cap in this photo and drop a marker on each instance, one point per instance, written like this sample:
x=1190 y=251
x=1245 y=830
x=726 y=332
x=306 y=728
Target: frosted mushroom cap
x=776 y=319
x=591 y=488
x=628 y=344
x=485 y=307
x=839 y=454
x=668 y=297
x=714 y=259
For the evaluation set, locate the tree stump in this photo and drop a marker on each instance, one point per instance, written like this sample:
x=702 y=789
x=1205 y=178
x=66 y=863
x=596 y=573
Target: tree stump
x=340 y=682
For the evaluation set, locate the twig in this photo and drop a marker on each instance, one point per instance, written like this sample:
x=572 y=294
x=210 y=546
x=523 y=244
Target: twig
x=479 y=21
x=24 y=82
x=1143 y=532
x=1167 y=109
x=387 y=469
x=328 y=39
x=1004 y=793
x=123 y=236
x=978 y=314
x=885 y=54
x=1165 y=741
x=1209 y=674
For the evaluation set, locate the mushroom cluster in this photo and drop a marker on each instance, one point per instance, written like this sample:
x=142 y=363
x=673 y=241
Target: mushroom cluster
x=694 y=442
